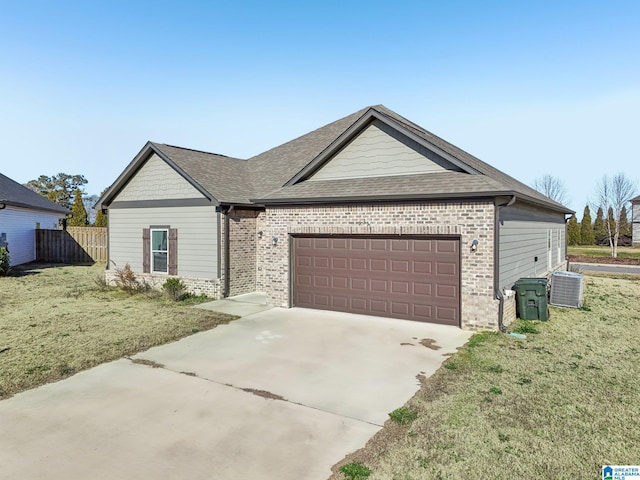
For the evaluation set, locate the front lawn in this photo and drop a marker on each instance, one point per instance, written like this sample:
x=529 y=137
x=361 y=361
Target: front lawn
x=559 y=404
x=56 y=320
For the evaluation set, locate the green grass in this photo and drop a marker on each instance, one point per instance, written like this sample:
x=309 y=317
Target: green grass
x=559 y=404
x=603 y=251
x=57 y=321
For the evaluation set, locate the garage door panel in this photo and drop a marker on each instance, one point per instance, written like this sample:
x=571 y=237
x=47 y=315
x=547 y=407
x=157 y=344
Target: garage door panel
x=400 y=287
x=401 y=309
x=381 y=286
x=407 y=278
x=450 y=269
x=400 y=266
x=379 y=307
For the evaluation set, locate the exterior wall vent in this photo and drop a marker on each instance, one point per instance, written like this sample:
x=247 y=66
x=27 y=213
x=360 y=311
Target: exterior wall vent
x=566 y=289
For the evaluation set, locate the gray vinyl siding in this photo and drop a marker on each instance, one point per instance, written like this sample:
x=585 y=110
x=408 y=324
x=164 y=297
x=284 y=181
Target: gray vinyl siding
x=381 y=151
x=19 y=224
x=156 y=180
x=523 y=235
x=198 y=237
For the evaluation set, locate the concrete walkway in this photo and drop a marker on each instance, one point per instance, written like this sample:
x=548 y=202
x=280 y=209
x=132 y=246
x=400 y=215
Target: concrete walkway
x=277 y=394
x=240 y=305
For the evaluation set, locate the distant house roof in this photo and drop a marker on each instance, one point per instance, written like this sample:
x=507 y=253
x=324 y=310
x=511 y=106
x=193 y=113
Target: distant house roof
x=279 y=175
x=14 y=194
x=636 y=199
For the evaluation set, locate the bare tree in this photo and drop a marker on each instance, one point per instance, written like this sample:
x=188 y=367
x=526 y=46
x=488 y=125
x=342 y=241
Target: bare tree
x=552 y=187
x=614 y=193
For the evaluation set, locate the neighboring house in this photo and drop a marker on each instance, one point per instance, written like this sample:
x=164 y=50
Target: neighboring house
x=22 y=211
x=635 y=221
x=370 y=214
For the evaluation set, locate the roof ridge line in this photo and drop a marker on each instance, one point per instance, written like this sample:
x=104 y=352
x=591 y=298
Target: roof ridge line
x=198 y=151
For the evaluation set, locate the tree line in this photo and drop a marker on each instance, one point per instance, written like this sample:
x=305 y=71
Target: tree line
x=588 y=232
x=612 y=194
x=67 y=191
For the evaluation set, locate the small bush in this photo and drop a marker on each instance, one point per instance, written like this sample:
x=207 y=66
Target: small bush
x=175 y=289
x=127 y=281
x=403 y=415
x=355 y=471
x=526 y=327
x=5 y=269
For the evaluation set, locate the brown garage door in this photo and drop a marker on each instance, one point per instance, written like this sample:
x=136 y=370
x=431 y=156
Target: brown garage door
x=408 y=278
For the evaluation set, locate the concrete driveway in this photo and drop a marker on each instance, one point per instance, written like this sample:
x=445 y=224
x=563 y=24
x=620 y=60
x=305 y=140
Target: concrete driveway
x=277 y=394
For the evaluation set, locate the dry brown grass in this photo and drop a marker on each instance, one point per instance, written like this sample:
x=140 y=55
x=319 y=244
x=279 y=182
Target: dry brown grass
x=55 y=321
x=560 y=404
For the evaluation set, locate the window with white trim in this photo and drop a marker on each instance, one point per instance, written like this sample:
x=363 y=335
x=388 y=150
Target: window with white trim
x=160 y=250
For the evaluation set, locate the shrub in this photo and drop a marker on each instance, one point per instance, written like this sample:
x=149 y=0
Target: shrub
x=355 y=471
x=127 y=281
x=175 y=289
x=403 y=415
x=5 y=269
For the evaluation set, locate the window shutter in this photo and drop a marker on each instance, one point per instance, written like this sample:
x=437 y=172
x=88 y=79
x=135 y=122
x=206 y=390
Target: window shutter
x=146 y=250
x=173 y=251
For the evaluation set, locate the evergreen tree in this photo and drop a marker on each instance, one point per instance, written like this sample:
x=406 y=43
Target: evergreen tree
x=101 y=219
x=573 y=231
x=599 y=229
x=586 y=228
x=625 y=226
x=78 y=212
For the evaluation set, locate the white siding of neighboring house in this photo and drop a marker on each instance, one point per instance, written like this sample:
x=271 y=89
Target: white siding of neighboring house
x=197 y=237
x=19 y=224
x=523 y=235
x=635 y=218
x=156 y=180
x=379 y=152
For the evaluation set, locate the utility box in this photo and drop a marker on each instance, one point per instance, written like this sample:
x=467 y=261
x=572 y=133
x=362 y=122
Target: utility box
x=531 y=296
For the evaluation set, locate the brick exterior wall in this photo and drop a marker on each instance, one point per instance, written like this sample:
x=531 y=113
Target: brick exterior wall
x=211 y=287
x=242 y=251
x=466 y=220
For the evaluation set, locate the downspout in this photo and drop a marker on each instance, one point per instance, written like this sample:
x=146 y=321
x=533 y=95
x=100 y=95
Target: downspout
x=227 y=256
x=496 y=269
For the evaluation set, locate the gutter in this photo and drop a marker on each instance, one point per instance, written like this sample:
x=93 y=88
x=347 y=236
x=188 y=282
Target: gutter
x=227 y=255
x=496 y=261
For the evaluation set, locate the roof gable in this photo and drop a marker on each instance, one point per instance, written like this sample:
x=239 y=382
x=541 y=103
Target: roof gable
x=369 y=116
x=155 y=180
x=378 y=151
x=12 y=193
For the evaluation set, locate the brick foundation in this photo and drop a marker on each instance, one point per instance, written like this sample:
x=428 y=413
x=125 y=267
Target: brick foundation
x=196 y=286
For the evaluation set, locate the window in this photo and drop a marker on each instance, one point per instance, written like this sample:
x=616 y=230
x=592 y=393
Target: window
x=159 y=251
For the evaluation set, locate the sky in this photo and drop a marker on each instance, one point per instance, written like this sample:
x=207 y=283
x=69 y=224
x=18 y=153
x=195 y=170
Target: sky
x=533 y=88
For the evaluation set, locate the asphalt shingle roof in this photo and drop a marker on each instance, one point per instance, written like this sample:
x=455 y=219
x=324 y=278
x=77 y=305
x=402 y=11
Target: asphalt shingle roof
x=262 y=178
x=12 y=193
x=227 y=179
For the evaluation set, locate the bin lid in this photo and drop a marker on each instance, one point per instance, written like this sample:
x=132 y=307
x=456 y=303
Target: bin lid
x=532 y=281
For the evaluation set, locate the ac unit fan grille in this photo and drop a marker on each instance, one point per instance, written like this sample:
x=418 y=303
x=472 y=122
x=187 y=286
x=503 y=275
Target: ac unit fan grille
x=566 y=289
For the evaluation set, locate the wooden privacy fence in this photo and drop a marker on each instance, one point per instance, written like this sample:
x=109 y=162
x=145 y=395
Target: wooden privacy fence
x=73 y=245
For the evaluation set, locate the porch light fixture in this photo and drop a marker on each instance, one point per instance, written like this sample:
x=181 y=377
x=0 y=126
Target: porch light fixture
x=274 y=241
x=474 y=245
x=259 y=233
